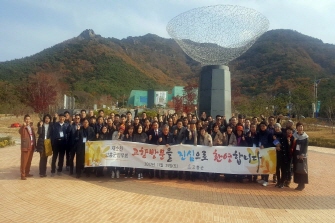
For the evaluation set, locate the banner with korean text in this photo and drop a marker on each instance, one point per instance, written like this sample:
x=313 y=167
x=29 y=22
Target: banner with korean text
x=217 y=159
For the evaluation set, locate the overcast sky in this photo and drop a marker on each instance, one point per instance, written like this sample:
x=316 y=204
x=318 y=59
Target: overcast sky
x=29 y=26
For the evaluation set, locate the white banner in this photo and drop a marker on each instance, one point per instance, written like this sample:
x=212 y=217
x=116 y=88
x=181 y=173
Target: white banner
x=217 y=159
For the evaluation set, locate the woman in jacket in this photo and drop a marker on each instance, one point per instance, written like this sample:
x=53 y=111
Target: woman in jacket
x=44 y=132
x=142 y=137
x=229 y=137
x=205 y=139
x=300 y=155
x=218 y=140
x=129 y=137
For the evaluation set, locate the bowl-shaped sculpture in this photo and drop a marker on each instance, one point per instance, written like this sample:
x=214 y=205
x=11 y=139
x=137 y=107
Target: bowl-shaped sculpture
x=216 y=35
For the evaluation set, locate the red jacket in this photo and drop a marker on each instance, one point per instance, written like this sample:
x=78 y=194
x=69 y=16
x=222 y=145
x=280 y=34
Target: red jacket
x=26 y=140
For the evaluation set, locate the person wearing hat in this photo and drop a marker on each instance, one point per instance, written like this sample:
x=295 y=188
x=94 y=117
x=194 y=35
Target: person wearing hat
x=59 y=140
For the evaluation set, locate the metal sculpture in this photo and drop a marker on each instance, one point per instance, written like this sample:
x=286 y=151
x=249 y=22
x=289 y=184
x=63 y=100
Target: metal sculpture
x=216 y=35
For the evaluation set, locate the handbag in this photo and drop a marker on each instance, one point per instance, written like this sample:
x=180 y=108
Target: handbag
x=47 y=147
x=301 y=167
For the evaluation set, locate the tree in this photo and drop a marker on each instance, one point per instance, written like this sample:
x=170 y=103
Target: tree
x=41 y=92
x=190 y=97
x=178 y=104
x=302 y=98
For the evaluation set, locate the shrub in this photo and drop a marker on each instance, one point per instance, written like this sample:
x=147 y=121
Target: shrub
x=321 y=142
x=6 y=141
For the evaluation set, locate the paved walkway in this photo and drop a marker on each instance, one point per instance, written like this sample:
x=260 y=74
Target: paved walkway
x=67 y=199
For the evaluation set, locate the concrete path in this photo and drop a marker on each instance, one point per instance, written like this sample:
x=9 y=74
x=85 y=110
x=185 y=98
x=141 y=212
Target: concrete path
x=67 y=199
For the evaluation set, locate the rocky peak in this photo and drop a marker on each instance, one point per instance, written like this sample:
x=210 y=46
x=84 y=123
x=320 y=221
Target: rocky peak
x=87 y=34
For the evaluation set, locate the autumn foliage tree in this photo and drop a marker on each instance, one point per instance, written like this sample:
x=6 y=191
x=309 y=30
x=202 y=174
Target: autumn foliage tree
x=190 y=97
x=178 y=103
x=42 y=92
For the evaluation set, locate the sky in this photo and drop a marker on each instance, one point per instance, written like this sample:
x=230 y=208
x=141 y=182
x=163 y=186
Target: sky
x=29 y=26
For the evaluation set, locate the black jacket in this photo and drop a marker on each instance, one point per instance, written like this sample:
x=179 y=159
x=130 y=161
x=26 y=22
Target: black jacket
x=56 y=132
x=166 y=139
x=41 y=136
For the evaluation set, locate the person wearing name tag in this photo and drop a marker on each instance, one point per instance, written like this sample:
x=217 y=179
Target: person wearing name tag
x=44 y=133
x=74 y=140
x=300 y=156
x=59 y=140
x=85 y=134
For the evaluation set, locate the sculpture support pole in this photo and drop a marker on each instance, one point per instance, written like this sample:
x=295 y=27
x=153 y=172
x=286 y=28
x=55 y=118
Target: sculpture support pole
x=215 y=91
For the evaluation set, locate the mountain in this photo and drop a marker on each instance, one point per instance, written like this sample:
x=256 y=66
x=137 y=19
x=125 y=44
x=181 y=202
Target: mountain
x=89 y=63
x=100 y=65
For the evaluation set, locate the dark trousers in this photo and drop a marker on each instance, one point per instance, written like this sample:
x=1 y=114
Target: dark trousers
x=282 y=168
x=265 y=177
x=139 y=170
x=129 y=171
x=58 y=150
x=80 y=158
x=68 y=149
x=43 y=163
x=191 y=175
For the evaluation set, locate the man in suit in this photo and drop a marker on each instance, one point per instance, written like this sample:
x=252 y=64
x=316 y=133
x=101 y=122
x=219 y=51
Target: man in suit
x=179 y=134
x=59 y=143
x=167 y=139
x=154 y=135
x=28 y=145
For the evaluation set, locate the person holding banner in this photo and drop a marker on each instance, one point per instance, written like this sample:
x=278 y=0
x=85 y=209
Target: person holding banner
x=166 y=138
x=217 y=137
x=141 y=137
x=118 y=135
x=44 y=132
x=191 y=139
x=241 y=142
x=252 y=141
x=179 y=134
x=205 y=139
x=300 y=156
x=154 y=135
x=85 y=133
x=265 y=141
x=129 y=138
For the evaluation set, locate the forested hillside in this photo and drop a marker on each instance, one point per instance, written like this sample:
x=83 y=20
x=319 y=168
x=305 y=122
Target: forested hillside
x=93 y=67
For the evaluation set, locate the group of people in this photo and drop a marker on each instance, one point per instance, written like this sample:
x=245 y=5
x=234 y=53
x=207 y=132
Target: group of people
x=68 y=135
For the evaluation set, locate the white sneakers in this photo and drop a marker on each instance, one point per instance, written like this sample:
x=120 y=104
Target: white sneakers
x=265 y=184
x=117 y=174
x=260 y=181
x=139 y=176
x=113 y=175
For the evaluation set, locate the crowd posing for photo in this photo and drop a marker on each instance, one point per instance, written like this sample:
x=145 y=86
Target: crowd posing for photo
x=67 y=135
